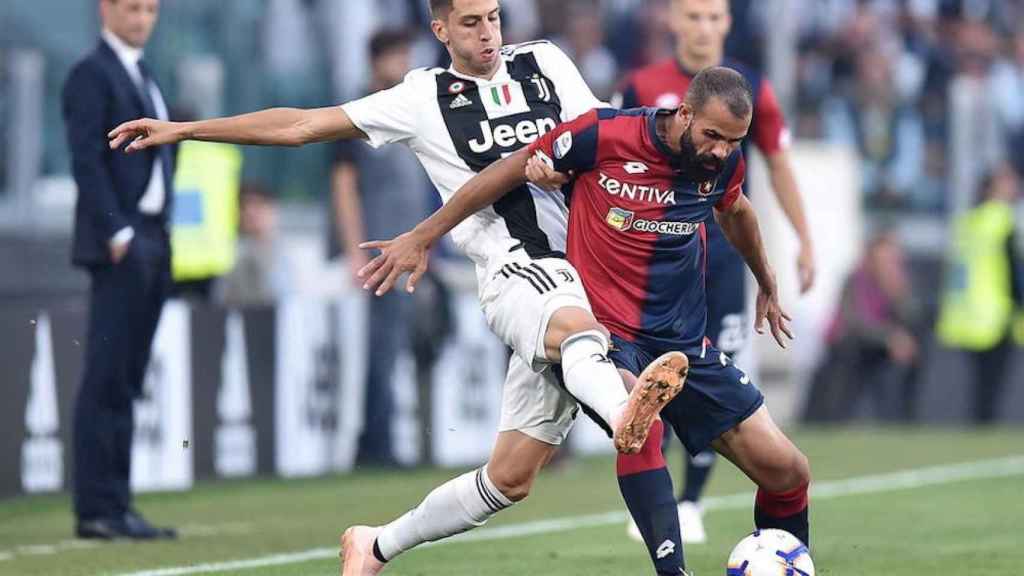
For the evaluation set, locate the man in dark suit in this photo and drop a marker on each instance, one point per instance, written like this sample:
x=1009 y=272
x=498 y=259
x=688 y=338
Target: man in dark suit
x=121 y=239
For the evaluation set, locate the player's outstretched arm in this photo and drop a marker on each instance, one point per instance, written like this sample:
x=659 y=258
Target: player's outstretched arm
x=780 y=170
x=739 y=223
x=408 y=252
x=271 y=127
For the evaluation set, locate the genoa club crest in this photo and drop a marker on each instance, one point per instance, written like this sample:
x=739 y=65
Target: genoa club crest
x=706 y=188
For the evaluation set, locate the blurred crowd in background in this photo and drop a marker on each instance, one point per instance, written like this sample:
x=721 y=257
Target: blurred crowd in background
x=928 y=93
x=878 y=75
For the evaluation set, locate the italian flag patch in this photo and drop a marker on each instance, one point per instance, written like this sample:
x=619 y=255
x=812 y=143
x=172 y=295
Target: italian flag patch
x=504 y=99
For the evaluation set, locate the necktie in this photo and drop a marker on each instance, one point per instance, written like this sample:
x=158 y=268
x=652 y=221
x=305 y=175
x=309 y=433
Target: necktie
x=149 y=108
x=163 y=152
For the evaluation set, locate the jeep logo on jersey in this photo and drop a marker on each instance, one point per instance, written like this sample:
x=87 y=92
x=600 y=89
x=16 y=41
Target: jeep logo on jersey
x=619 y=219
x=636 y=191
x=507 y=136
x=504 y=100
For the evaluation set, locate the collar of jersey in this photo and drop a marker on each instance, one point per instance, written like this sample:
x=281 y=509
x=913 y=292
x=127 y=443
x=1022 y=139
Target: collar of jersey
x=656 y=141
x=500 y=76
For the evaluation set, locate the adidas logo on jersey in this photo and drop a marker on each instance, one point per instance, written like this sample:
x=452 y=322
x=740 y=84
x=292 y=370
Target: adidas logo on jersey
x=460 y=101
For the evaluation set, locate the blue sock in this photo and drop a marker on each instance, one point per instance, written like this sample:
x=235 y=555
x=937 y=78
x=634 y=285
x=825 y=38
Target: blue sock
x=646 y=487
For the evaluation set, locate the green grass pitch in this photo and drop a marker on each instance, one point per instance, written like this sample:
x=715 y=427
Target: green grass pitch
x=967 y=524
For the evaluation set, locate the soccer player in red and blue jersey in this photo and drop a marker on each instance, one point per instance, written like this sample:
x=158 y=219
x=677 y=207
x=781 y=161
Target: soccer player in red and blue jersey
x=700 y=28
x=646 y=181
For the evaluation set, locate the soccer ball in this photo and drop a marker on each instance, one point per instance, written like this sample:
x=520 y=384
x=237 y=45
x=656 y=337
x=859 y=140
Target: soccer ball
x=770 y=552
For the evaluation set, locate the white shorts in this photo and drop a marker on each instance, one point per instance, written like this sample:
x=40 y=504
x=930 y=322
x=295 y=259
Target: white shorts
x=536 y=404
x=518 y=296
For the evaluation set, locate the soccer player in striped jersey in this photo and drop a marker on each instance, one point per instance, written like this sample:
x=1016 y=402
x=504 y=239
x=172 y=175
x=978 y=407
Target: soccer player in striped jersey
x=491 y=102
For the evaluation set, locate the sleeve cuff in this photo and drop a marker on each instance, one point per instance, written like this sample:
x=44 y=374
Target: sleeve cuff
x=123 y=236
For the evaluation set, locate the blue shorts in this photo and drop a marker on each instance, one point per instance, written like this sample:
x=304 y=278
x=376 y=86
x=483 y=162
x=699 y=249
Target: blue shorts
x=728 y=326
x=717 y=395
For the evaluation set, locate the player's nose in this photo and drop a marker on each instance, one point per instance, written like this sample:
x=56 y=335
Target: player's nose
x=487 y=31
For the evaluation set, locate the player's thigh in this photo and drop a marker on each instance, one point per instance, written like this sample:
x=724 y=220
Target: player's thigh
x=717 y=397
x=520 y=298
x=629 y=359
x=535 y=405
x=628 y=379
x=764 y=453
x=564 y=322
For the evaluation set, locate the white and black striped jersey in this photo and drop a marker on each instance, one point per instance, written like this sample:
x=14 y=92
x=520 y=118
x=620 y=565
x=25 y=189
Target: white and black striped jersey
x=457 y=125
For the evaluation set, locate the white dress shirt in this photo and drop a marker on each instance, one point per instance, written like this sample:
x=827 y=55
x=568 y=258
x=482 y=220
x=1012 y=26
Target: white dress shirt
x=152 y=201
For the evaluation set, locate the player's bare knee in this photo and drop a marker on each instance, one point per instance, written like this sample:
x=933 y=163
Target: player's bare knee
x=514 y=484
x=802 y=469
x=787 y=474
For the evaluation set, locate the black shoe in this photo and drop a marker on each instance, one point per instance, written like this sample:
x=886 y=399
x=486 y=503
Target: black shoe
x=131 y=526
x=139 y=528
x=100 y=529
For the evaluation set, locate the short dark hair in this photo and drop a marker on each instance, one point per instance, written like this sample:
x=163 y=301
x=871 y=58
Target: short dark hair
x=725 y=84
x=389 y=39
x=440 y=8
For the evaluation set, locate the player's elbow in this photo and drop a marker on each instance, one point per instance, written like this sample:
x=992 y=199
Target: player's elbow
x=301 y=132
x=295 y=137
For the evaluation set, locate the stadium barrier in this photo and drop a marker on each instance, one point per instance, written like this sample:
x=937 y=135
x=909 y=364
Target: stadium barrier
x=260 y=391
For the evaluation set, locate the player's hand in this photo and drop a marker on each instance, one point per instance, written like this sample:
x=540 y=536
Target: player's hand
x=145 y=133
x=543 y=175
x=805 y=267
x=768 y=308
x=406 y=253
x=902 y=346
x=118 y=250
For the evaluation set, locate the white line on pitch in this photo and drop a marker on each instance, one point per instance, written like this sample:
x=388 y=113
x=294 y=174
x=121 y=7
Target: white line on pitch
x=904 y=480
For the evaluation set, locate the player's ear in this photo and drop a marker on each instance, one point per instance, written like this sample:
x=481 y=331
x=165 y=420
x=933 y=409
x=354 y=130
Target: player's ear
x=437 y=26
x=685 y=114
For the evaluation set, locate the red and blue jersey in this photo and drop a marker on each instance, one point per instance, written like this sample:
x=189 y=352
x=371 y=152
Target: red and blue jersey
x=637 y=231
x=664 y=85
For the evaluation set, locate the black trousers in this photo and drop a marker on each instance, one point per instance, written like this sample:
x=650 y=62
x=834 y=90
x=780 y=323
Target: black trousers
x=990 y=368
x=124 y=308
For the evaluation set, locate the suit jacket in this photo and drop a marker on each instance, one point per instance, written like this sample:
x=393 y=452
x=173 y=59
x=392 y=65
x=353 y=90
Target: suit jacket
x=98 y=95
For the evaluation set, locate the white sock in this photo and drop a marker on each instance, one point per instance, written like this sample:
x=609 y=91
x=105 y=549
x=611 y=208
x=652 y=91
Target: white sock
x=454 y=507
x=591 y=377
